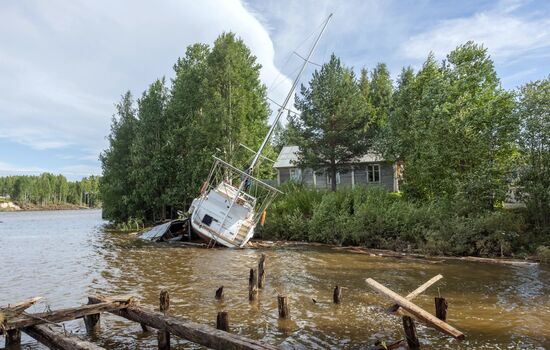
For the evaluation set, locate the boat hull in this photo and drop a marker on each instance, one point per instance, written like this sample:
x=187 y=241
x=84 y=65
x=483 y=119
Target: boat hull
x=209 y=235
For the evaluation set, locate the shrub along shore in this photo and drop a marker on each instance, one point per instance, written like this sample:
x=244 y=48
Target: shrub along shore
x=374 y=218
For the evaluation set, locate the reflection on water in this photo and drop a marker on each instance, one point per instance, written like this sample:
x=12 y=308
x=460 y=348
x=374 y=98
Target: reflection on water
x=65 y=256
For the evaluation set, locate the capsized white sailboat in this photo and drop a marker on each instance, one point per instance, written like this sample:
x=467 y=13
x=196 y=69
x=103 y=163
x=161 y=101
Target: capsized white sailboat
x=232 y=201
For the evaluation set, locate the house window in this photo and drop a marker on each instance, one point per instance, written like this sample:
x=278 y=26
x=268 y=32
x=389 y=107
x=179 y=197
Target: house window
x=373 y=173
x=296 y=175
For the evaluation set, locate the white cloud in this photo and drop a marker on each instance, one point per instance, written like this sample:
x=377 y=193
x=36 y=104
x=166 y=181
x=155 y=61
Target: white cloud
x=13 y=169
x=65 y=64
x=505 y=34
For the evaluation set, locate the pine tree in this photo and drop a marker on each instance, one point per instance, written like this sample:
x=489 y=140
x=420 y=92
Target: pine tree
x=332 y=122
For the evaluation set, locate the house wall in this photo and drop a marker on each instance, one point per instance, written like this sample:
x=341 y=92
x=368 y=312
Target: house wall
x=359 y=178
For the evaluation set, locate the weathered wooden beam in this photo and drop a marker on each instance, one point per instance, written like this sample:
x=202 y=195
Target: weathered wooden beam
x=337 y=295
x=261 y=271
x=282 y=306
x=194 y=332
x=252 y=285
x=441 y=308
x=417 y=291
x=410 y=333
x=416 y=311
x=27 y=320
x=12 y=310
x=163 y=336
x=57 y=340
x=13 y=338
x=222 y=321
x=219 y=293
x=92 y=321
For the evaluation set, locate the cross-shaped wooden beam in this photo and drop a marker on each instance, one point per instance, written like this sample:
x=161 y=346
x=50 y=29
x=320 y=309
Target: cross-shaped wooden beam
x=416 y=311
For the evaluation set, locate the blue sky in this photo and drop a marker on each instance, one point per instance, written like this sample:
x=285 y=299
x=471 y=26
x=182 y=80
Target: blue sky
x=63 y=65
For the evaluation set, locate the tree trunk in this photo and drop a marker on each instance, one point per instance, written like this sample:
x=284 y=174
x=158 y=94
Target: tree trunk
x=333 y=177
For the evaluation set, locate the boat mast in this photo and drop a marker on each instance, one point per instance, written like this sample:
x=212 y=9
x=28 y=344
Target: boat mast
x=287 y=99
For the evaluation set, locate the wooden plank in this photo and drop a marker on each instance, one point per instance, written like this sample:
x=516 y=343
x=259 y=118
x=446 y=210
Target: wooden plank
x=27 y=320
x=417 y=291
x=194 y=332
x=416 y=311
x=57 y=340
x=12 y=310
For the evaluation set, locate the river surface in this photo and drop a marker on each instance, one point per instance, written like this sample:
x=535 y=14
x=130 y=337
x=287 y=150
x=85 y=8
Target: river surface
x=65 y=256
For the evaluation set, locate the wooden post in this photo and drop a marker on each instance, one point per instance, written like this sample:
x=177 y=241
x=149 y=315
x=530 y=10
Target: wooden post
x=441 y=308
x=337 y=295
x=219 y=293
x=416 y=311
x=252 y=285
x=92 y=321
x=163 y=335
x=222 y=321
x=410 y=333
x=417 y=292
x=282 y=306
x=261 y=272
x=13 y=338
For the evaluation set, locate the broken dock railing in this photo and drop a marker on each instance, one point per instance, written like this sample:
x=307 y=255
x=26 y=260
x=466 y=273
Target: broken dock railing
x=15 y=320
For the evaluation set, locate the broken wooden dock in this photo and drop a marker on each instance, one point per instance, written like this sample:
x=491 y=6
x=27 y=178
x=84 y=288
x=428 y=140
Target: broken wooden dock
x=15 y=320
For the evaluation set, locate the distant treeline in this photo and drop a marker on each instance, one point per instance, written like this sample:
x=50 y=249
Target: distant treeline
x=160 y=150
x=49 y=189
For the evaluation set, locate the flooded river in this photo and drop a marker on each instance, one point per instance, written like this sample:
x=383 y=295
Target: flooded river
x=65 y=256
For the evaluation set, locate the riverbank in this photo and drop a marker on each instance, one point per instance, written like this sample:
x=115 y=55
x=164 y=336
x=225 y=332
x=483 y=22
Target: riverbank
x=14 y=206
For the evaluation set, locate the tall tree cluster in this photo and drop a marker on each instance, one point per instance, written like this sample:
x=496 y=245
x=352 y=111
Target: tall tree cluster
x=160 y=152
x=533 y=110
x=452 y=126
x=460 y=136
x=47 y=189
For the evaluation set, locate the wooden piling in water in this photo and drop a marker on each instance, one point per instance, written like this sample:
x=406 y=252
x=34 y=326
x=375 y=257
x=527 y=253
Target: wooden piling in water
x=219 y=293
x=222 y=321
x=92 y=322
x=282 y=306
x=337 y=295
x=197 y=333
x=261 y=272
x=13 y=338
x=252 y=285
x=163 y=335
x=410 y=333
x=441 y=308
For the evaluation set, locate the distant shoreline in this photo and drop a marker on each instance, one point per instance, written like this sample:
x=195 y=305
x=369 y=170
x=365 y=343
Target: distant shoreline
x=14 y=207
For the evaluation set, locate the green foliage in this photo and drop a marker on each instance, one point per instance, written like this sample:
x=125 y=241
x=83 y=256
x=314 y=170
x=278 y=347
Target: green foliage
x=543 y=254
x=117 y=185
x=331 y=126
x=160 y=154
x=375 y=218
x=452 y=126
x=533 y=109
x=49 y=189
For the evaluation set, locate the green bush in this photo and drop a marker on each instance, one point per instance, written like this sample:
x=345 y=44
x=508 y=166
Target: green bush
x=374 y=218
x=543 y=254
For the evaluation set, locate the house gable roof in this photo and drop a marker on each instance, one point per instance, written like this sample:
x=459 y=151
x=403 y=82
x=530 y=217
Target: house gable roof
x=289 y=156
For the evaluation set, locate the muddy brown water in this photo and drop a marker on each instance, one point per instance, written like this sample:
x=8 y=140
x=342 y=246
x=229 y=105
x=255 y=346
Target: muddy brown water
x=65 y=256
